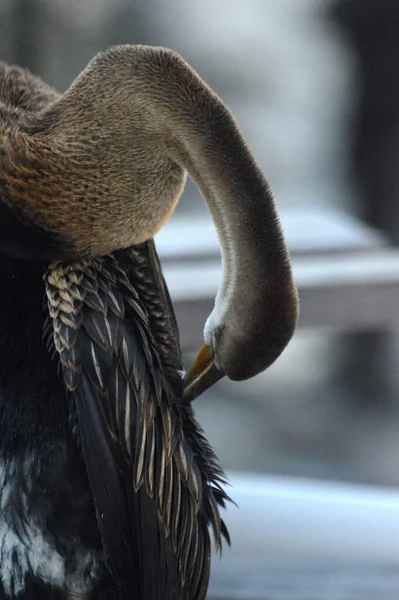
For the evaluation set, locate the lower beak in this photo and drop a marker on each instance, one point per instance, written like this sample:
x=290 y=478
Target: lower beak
x=202 y=374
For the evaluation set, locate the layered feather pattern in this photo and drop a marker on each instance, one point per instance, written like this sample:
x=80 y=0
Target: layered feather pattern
x=155 y=480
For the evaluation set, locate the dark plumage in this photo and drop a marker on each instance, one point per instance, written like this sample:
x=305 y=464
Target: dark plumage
x=107 y=484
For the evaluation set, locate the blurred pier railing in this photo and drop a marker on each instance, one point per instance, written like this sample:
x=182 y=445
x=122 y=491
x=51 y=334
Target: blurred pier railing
x=347 y=275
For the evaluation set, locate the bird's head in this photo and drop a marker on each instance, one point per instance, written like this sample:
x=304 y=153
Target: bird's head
x=247 y=330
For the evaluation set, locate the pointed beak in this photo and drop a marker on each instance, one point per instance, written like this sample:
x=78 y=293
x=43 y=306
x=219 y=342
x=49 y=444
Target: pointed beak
x=202 y=374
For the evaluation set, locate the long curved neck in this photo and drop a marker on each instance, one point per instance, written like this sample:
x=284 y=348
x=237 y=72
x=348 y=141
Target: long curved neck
x=241 y=202
x=204 y=138
x=117 y=144
x=256 y=307
x=178 y=111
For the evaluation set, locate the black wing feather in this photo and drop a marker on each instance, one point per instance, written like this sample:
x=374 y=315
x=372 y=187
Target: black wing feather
x=155 y=481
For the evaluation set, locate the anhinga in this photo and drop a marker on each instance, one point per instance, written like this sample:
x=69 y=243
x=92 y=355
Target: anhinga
x=107 y=484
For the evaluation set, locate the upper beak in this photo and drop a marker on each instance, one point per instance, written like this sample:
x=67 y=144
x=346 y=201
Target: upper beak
x=202 y=374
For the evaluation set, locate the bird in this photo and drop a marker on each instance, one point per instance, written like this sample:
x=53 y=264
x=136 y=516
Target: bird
x=109 y=488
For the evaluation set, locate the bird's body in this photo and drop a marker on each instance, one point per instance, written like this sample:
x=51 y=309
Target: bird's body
x=50 y=541
x=108 y=487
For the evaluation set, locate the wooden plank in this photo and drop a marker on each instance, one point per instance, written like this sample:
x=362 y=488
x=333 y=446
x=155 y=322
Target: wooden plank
x=307 y=230
x=356 y=291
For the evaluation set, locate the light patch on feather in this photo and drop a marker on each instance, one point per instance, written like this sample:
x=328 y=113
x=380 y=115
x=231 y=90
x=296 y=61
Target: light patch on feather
x=33 y=556
x=36 y=558
x=33 y=553
x=96 y=365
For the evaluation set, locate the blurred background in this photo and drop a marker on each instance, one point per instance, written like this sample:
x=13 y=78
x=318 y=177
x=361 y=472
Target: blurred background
x=315 y=87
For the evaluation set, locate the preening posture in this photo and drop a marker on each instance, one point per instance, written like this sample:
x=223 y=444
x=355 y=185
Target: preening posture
x=107 y=484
